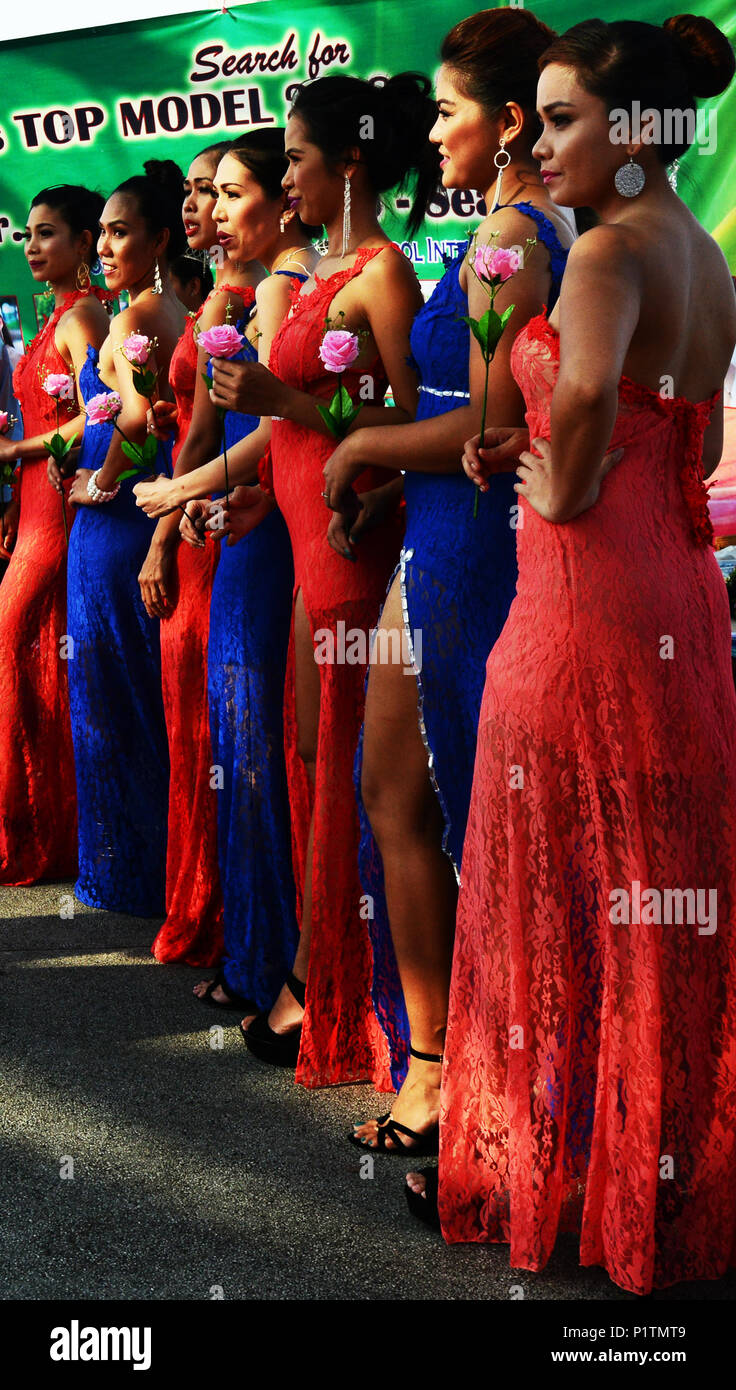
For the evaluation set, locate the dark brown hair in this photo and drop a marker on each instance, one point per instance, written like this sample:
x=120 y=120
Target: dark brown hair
x=398 y=153
x=664 y=68
x=495 y=54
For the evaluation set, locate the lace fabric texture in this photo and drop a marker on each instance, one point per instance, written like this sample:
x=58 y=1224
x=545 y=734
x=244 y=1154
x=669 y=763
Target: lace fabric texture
x=193 y=929
x=115 y=691
x=248 y=643
x=341 y=1038
x=590 y=1064
x=37 y=789
x=458 y=577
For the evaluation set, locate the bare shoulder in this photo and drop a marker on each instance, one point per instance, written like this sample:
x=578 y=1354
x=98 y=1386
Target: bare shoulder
x=222 y=299
x=505 y=227
x=606 y=247
x=273 y=294
x=391 y=270
x=87 y=310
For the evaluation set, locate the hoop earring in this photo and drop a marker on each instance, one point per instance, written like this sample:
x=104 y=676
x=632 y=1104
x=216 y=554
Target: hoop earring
x=501 y=159
x=157 y=282
x=84 y=279
x=630 y=179
x=345 y=218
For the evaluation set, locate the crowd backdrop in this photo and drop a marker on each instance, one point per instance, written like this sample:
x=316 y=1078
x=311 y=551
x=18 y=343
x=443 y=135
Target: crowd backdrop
x=90 y=106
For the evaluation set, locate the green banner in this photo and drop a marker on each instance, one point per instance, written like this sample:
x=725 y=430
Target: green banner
x=89 y=107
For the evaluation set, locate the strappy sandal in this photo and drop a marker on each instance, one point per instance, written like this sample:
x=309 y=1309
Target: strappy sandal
x=426 y=1144
x=280 y=1049
x=425 y=1207
x=233 y=1001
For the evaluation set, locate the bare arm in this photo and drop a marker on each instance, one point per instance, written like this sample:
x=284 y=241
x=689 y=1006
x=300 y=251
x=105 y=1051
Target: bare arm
x=436 y=445
x=85 y=325
x=392 y=297
x=599 y=310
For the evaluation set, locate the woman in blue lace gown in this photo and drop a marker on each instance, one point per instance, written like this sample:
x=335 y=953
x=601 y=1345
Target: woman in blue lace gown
x=450 y=596
x=250 y=609
x=120 y=748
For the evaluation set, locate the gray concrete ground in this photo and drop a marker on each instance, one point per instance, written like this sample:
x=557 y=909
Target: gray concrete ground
x=196 y=1167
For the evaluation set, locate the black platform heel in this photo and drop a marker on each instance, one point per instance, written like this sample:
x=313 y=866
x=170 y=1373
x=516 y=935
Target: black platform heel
x=279 y=1049
x=426 y=1144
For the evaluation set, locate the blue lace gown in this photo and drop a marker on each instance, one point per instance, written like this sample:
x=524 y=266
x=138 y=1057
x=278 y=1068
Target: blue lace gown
x=120 y=748
x=458 y=577
x=250 y=618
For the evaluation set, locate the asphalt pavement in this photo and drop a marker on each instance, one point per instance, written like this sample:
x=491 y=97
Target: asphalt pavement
x=146 y=1157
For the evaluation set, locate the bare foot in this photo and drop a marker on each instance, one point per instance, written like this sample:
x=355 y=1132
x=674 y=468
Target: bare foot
x=218 y=994
x=417 y=1106
x=418 y=1183
x=285 y=1016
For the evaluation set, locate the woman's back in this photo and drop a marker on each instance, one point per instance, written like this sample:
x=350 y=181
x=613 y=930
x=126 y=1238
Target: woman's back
x=683 y=339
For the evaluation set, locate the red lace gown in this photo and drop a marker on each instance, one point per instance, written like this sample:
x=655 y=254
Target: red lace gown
x=590 y=1066
x=341 y=1038
x=193 y=929
x=38 y=801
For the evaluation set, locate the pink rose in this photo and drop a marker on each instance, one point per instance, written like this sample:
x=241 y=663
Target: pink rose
x=338 y=349
x=496 y=263
x=4 y=417
x=137 y=348
x=100 y=409
x=59 y=385
x=221 y=341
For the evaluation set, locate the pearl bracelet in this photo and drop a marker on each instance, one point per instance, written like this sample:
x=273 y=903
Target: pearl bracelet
x=95 y=493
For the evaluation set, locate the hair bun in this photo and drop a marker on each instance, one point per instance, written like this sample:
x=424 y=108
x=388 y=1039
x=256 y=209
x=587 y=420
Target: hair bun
x=166 y=174
x=706 y=53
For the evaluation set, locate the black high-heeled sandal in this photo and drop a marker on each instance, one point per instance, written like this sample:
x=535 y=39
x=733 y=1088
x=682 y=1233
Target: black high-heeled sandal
x=425 y=1207
x=426 y=1144
x=280 y=1049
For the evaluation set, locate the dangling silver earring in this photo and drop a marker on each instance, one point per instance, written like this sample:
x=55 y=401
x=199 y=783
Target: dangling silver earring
x=672 y=176
x=501 y=159
x=282 y=223
x=157 y=282
x=630 y=179
x=346 y=218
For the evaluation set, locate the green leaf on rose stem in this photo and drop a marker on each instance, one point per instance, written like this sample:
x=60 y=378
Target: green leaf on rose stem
x=477 y=329
x=506 y=315
x=207 y=380
x=150 y=449
x=329 y=420
x=129 y=473
x=341 y=404
x=131 y=451
x=144 y=383
x=69 y=445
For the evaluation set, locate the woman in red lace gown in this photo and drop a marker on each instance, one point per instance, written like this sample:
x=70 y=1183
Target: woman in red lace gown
x=37 y=786
x=590 y=1066
x=176 y=584
x=335 y=1035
